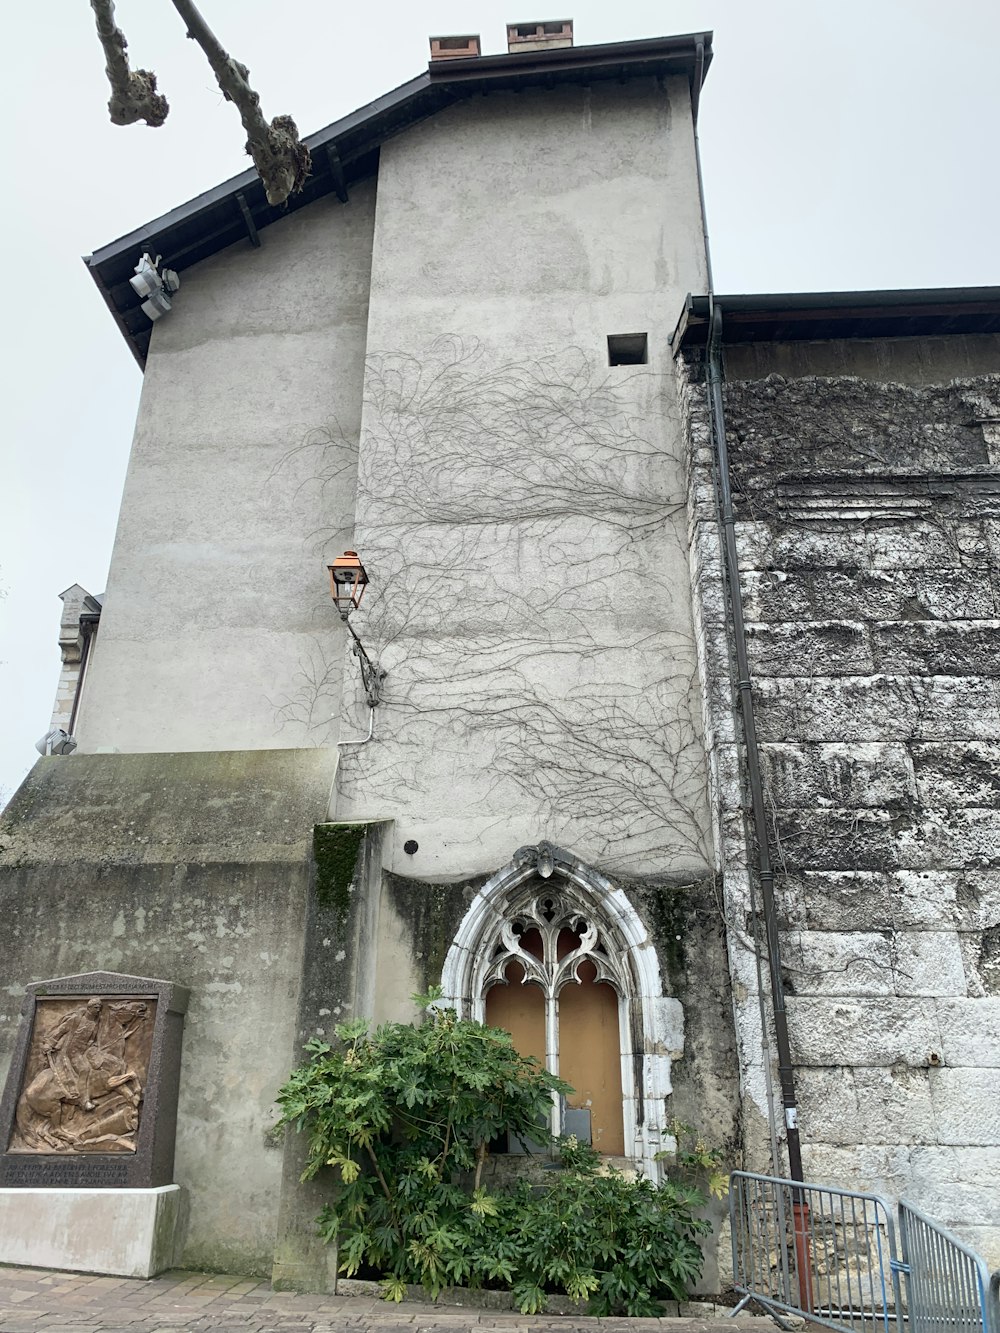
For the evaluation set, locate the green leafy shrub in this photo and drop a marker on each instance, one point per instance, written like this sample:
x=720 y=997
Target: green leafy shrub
x=695 y=1162
x=406 y=1115
x=620 y=1242
x=427 y=1099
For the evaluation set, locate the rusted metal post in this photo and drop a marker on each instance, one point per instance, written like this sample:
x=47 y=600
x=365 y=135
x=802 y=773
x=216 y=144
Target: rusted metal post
x=801 y=1230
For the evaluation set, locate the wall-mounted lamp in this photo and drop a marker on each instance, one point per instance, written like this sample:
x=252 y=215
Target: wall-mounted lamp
x=158 y=287
x=348 y=581
x=56 y=741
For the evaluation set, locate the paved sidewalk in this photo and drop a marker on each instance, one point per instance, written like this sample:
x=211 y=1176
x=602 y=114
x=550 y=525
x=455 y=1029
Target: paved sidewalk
x=33 y=1299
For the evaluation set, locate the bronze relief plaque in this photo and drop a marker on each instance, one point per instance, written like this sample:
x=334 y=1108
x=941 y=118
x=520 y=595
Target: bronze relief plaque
x=85 y=1075
x=90 y=1100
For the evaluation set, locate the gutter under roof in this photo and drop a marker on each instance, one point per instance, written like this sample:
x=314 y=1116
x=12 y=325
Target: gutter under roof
x=817 y=316
x=347 y=151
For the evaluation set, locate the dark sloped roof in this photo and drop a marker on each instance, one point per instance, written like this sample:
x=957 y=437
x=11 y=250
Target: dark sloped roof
x=811 y=316
x=347 y=151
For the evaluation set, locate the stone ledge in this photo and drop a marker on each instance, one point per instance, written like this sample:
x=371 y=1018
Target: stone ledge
x=232 y=807
x=480 y=1299
x=120 y=1233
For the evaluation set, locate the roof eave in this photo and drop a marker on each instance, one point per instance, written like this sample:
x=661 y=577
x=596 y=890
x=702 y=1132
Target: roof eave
x=346 y=151
x=681 y=49
x=819 y=316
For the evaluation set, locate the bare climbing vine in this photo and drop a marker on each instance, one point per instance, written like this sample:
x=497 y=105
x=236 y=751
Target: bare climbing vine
x=316 y=691
x=523 y=526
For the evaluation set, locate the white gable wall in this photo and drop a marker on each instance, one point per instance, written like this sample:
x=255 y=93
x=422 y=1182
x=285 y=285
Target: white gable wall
x=216 y=615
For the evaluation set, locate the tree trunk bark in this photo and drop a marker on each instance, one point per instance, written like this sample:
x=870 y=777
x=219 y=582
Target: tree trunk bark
x=133 y=92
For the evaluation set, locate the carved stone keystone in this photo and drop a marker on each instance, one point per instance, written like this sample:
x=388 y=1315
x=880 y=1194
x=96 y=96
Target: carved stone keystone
x=91 y=1097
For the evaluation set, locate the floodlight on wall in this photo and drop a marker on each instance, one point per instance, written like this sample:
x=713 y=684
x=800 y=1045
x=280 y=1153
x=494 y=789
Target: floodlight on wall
x=56 y=741
x=348 y=581
x=157 y=305
x=147 y=280
x=155 y=284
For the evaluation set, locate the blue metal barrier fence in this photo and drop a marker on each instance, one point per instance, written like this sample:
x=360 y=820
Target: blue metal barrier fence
x=814 y=1250
x=949 y=1289
x=831 y=1255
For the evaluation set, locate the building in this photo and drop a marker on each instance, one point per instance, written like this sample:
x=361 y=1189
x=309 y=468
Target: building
x=862 y=443
x=459 y=353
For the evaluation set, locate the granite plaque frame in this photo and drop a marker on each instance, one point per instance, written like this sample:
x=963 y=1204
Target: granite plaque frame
x=91 y=1097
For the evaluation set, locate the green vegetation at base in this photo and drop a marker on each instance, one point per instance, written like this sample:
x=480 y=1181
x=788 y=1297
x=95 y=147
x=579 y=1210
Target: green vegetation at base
x=406 y=1114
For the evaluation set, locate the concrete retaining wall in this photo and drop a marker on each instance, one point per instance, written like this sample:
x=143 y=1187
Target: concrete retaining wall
x=195 y=868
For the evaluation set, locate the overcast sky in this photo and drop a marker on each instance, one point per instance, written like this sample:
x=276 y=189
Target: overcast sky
x=846 y=144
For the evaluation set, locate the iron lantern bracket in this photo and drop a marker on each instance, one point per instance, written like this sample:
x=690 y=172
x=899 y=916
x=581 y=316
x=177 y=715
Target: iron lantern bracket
x=372 y=675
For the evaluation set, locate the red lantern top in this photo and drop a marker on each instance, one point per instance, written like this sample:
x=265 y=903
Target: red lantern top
x=348 y=580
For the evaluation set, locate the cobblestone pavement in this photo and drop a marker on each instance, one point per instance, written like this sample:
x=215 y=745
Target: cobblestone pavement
x=33 y=1299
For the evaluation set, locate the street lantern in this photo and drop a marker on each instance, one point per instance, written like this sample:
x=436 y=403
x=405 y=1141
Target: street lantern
x=348 y=581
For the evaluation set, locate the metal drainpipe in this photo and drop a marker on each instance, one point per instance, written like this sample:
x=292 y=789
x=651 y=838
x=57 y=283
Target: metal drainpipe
x=764 y=869
x=695 y=99
x=89 y=630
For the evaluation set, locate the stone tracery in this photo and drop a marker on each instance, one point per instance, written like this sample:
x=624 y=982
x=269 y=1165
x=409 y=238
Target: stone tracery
x=550 y=915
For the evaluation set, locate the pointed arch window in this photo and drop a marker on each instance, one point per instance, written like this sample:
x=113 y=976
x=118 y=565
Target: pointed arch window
x=555 y=979
x=549 y=934
x=552 y=947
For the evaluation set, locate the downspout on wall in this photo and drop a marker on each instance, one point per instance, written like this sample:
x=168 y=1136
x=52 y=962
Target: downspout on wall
x=88 y=628
x=724 y=505
x=763 y=867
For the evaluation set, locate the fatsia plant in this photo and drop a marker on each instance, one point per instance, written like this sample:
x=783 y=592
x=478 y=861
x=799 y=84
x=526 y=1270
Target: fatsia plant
x=405 y=1115
x=429 y=1098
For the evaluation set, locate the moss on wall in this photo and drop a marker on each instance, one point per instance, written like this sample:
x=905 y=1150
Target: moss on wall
x=434 y=913
x=335 y=852
x=441 y=908
x=671 y=909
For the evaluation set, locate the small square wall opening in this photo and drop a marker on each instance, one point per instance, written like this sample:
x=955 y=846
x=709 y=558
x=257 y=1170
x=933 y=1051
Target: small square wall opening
x=628 y=349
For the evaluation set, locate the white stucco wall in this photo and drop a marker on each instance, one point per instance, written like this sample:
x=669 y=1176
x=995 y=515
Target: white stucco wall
x=217 y=627
x=518 y=499
x=534 y=489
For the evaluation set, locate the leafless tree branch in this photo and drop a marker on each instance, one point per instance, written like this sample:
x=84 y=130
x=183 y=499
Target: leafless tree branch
x=282 y=160
x=133 y=92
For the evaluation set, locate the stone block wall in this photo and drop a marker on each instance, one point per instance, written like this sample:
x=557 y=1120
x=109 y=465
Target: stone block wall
x=868 y=527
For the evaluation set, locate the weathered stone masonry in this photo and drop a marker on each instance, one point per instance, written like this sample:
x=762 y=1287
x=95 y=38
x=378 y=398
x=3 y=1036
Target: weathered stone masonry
x=868 y=525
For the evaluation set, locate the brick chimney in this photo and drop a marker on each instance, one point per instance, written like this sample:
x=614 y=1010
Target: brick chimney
x=539 y=36
x=455 y=48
